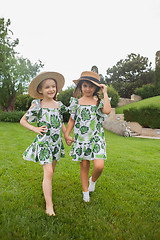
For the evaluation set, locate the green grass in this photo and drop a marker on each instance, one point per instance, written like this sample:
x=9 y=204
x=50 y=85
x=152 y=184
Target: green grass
x=149 y=101
x=125 y=204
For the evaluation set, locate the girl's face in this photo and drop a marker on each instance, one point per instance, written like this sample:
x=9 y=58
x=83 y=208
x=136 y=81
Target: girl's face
x=48 y=89
x=88 y=89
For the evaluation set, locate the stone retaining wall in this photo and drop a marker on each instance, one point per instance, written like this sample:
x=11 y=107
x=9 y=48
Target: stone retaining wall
x=125 y=101
x=115 y=123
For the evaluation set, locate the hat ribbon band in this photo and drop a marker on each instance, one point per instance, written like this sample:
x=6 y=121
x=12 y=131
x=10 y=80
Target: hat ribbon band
x=90 y=78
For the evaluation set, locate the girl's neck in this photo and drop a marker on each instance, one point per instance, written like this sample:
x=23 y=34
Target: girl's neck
x=87 y=100
x=49 y=103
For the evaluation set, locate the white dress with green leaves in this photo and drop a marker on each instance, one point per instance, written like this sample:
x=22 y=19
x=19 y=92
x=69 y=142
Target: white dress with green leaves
x=89 y=141
x=48 y=147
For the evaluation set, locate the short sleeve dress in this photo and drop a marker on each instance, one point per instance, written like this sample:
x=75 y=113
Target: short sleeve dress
x=48 y=147
x=89 y=141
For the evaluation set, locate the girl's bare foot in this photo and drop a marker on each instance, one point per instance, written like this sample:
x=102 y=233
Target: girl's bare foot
x=50 y=211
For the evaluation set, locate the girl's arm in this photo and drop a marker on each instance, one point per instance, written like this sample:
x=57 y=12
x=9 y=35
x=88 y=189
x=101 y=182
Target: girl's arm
x=63 y=129
x=107 y=106
x=25 y=124
x=70 y=126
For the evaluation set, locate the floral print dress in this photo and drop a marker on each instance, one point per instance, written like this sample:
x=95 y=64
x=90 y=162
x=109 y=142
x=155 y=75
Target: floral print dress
x=48 y=147
x=89 y=141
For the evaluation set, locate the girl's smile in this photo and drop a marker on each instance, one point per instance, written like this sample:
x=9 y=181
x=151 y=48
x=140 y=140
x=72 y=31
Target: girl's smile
x=48 y=88
x=88 y=89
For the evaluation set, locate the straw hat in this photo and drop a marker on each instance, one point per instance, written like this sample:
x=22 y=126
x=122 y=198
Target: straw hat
x=89 y=76
x=32 y=89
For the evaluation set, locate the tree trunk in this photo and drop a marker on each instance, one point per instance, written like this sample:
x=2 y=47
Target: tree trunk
x=11 y=105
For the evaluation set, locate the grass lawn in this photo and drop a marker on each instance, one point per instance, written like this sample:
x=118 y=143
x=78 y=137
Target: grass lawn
x=125 y=204
x=145 y=102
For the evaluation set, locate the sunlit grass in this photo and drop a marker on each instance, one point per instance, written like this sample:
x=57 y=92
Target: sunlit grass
x=125 y=204
x=155 y=101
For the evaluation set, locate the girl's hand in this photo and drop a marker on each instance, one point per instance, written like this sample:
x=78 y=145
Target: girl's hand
x=69 y=140
x=103 y=88
x=40 y=130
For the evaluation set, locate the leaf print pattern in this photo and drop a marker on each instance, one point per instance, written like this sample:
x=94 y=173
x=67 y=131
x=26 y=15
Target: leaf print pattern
x=44 y=153
x=87 y=152
x=92 y=126
x=49 y=146
x=85 y=114
x=55 y=137
x=77 y=125
x=93 y=108
x=55 y=122
x=89 y=142
x=96 y=148
x=79 y=151
x=98 y=126
x=84 y=129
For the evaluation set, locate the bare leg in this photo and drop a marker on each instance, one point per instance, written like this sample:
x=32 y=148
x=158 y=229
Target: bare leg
x=85 y=165
x=97 y=169
x=47 y=186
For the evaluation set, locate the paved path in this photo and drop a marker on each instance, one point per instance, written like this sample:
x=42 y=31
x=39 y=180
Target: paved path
x=147 y=137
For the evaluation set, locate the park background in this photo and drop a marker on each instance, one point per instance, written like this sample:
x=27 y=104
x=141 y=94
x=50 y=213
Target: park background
x=120 y=41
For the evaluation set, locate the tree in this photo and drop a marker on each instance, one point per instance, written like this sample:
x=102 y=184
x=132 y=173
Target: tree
x=15 y=71
x=130 y=73
x=157 y=72
x=95 y=69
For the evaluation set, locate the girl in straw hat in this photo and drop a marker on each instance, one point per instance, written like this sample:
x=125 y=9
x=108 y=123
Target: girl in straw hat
x=47 y=147
x=87 y=115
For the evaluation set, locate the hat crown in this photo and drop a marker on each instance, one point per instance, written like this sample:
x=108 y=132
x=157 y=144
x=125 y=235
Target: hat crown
x=32 y=89
x=90 y=74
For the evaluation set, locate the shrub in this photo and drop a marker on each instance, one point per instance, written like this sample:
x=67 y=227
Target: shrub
x=114 y=96
x=148 y=116
x=64 y=97
x=23 y=102
x=11 y=116
x=146 y=91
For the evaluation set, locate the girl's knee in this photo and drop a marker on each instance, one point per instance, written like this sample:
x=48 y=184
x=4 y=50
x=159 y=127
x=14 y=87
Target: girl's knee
x=85 y=164
x=99 y=165
x=100 y=168
x=48 y=171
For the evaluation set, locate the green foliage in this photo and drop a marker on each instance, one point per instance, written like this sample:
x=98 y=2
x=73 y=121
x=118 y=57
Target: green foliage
x=114 y=96
x=157 y=73
x=130 y=73
x=11 y=116
x=125 y=204
x=23 y=102
x=94 y=69
x=64 y=97
x=157 y=70
x=146 y=91
x=15 y=71
x=148 y=116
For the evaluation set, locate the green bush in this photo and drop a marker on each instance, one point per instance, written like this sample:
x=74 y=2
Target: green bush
x=148 y=116
x=114 y=96
x=146 y=91
x=64 y=97
x=23 y=102
x=11 y=116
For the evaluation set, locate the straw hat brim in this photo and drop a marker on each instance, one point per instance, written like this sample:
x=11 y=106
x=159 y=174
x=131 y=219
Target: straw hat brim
x=85 y=79
x=32 y=89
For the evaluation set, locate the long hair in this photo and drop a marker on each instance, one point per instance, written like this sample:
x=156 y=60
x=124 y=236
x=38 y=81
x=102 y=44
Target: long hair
x=39 y=87
x=78 y=90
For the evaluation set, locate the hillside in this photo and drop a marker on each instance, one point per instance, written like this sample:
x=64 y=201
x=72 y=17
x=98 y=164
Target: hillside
x=148 y=101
